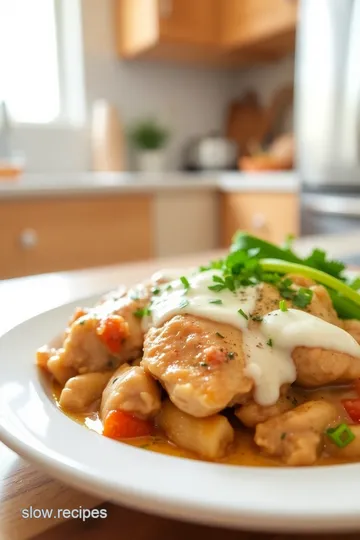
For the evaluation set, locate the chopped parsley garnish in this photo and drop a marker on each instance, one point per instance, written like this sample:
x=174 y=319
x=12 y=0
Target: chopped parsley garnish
x=269 y=342
x=155 y=290
x=169 y=287
x=216 y=288
x=231 y=355
x=219 y=302
x=303 y=297
x=142 y=312
x=283 y=435
x=185 y=282
x=282 y=305
x=183 y=304
x=256 y=318
x=243 y=314
x=219 y=335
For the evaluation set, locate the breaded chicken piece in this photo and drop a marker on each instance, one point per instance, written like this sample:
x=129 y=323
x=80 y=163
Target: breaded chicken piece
x=296 y=436
x=132 y=390
x=199 y=362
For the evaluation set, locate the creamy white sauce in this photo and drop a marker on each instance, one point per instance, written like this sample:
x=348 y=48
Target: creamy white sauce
x=268 y=348
x=199 y=300
x=268 y=366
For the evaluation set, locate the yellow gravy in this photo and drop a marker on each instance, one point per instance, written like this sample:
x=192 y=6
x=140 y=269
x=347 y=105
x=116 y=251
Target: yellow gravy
x=243 y=451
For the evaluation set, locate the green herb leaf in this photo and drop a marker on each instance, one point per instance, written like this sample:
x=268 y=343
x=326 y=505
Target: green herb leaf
x=243 y=314
x=216 y=288
x=142 y=312
x=256 y=318
x=303 y=297
x=218 y=302
x=283 y=435
x=185 y=282
x=155 y=290
x=269 y=342
x=169 y=287
x=282 y=305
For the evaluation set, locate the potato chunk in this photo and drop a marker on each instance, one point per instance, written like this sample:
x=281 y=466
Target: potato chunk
x=209 y=437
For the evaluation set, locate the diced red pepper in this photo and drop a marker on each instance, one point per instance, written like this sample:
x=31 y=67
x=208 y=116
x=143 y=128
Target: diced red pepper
x=352 y=407
x=122 y=425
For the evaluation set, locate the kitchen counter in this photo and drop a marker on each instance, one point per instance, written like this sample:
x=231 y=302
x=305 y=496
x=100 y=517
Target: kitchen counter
x=43 y=185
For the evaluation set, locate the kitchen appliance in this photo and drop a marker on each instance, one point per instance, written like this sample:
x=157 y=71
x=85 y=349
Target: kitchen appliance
x=327 y=114
x=210 y=153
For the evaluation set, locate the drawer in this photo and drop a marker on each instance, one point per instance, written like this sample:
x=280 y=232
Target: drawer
x=270 y=216
x=47 y=235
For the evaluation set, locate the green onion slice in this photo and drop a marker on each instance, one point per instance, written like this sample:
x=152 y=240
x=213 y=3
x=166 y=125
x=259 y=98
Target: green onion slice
x=340 y=435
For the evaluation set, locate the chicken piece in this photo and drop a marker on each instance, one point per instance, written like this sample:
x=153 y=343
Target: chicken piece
x=351 y=451
x=251 y=413
x=318 y=367
x=199 y=362
x=353 y=327
x=130 y=389
x=296 y=436
x=320 y=305
x=80 y=392
x=208 y=437
x=85 y=349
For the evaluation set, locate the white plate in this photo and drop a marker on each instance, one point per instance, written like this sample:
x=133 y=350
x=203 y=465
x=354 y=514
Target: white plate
x=283 y=499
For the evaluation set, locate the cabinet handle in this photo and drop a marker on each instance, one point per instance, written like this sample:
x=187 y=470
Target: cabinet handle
x=28 y=238
x=166 y=9
x=258 y=221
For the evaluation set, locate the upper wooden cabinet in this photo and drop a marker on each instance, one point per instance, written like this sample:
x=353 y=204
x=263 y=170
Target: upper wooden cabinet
x=188 y=21
x=259 y=24
x=223 y=32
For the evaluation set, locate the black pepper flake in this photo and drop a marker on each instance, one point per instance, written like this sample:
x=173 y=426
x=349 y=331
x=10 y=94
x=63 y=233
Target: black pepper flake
x=116 y=379
x=283 y=435
x=203 y=364
x=231 y=355
x=219 y=335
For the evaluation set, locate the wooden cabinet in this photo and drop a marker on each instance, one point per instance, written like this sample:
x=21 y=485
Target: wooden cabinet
x=270 y=216
x=260 y=24
x=188 y=21
x=221 y=32
x=46 y=235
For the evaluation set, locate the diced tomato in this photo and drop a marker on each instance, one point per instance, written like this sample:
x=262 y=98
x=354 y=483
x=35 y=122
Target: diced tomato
x=122 y=425
x=113 y=331
x=352 y=407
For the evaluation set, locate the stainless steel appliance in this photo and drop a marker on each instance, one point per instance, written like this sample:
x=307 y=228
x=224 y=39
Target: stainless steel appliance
x=327 y=114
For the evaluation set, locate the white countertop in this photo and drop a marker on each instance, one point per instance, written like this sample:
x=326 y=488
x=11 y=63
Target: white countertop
x=47 y=185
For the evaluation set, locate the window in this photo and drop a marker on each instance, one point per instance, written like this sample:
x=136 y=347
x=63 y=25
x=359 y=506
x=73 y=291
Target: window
x=29 y=67
x=41 y=61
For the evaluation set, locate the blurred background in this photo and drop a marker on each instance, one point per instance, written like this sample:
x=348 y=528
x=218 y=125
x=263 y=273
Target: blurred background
x=133 y=129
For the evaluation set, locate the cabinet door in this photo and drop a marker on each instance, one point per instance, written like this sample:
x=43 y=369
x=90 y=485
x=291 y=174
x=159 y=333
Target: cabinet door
x=189 y=21
x=48 y=235
x=246 y=22
x=270 y=216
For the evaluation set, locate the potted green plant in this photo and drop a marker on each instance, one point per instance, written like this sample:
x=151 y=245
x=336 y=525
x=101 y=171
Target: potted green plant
x=149 y=139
